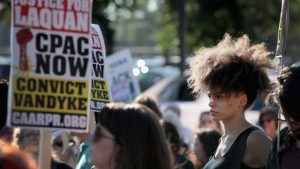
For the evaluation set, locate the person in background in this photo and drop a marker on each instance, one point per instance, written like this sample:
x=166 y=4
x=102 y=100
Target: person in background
x=206 y=126
x=149 y=102
x=174 y=108
x=206 y=143
x=84 y=150
x=267 y=121
x=129 y=136
x=6 y=134
x=3 y=101
x=172 y=114
x=172 y=136
x=12 y=158
x=233 y=74
x=27 y=140
x=84 y=140
x=286 y=153
x=206 y=121
x=62 y=148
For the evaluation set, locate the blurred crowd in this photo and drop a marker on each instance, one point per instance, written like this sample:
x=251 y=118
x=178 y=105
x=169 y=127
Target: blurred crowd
x=140 y=135
x=188 y=148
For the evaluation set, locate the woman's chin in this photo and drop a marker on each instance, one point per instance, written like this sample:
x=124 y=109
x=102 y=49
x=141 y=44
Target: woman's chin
x=93 y=161
x=215 y=118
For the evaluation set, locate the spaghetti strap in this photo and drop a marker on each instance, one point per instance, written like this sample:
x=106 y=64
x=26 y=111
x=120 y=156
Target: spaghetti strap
x=236 y=152
x=242 y=144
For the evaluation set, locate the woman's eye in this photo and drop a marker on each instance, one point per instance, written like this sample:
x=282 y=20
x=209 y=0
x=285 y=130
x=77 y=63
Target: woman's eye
x=219 y=96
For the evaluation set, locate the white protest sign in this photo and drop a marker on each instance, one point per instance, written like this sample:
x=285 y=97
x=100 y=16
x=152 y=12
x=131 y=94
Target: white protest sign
x=51 y=67
x=100 y=93
x=123 y=84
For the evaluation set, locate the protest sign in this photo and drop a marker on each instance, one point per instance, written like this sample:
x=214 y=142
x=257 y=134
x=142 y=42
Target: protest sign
x=51 y=67
x=123 y=84
x=100 y=93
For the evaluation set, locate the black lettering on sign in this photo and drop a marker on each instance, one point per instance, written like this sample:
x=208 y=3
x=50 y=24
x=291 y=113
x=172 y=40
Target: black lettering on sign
x=61 y=101
x=97 y=57
x=54 y=86
x=51 y=86
x=100 y=94
x=80 y=46
x=20 y=84
x=59 y=64
x=78 y=66
x=54 y=43
x=82 y=103
x=51 y=101
x=69 y=46
x=42 y=64
x=40 y=45
x=98 y=84
x=18 y=99
x=39 y=101
x=98 y=64
x=46 y=101
x=28 y=101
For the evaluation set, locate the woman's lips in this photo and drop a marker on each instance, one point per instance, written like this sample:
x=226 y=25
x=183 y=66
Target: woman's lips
x=213 y=113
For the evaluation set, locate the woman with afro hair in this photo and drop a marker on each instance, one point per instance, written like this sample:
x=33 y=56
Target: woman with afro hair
x=233 y=74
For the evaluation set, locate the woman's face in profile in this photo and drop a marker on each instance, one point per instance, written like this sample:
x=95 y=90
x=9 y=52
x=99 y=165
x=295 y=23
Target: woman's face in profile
x=269 y=125
x=104 y=149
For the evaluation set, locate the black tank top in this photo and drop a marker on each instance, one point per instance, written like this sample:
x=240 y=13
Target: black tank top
x=226 y=161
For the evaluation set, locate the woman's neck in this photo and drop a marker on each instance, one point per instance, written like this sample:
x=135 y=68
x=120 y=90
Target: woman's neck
x=235 y=125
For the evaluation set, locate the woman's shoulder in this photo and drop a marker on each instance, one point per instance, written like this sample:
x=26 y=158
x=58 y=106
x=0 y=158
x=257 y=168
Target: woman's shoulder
x=258 y=136
x=258 y=148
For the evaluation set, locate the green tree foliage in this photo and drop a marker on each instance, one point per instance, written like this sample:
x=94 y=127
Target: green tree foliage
x=167 y=37
x=108 y=13
x=4 y=23
x=136 y=29
x=208 y=20
x=99 y=17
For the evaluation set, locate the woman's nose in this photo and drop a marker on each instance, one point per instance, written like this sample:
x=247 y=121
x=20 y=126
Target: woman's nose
x=211 y=102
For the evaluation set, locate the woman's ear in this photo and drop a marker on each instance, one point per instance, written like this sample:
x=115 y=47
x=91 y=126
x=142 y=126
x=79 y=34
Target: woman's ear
x=243 y=100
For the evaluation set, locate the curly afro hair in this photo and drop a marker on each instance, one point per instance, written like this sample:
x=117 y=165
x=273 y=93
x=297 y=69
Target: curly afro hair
x=287 y=92
x=232 y=66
